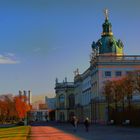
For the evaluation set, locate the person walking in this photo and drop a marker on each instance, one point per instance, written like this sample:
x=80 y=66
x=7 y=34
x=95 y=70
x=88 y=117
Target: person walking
x=87 y=123
x=75 y=123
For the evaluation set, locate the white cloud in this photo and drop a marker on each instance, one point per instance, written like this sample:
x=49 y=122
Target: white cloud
x=7 y=60
x=10 y=54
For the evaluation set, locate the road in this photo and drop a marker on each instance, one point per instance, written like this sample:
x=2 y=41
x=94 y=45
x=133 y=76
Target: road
x=58 y=131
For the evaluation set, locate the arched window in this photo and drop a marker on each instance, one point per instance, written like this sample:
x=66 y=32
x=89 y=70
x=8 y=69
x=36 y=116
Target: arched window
x=61 y=101
x=62 y=116
x=71 y=101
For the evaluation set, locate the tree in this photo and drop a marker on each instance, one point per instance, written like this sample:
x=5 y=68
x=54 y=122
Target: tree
x=107 y=91
x=7 y=108
x=121 y=88
x=21 y=106
x=136 y=77
x=12 y=108
x=129 y=88
x=122 y=92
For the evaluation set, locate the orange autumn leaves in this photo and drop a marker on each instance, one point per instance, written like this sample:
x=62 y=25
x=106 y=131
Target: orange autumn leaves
x=21 y=106
x=13 y=108
x=7 y=108
x=123 y=88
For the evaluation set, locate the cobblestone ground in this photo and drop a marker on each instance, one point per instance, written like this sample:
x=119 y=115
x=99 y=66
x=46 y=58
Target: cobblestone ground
x=57 y=131
x=50 y=133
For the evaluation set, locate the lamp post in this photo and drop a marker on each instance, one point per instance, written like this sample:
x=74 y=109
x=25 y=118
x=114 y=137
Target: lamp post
x=25 y=119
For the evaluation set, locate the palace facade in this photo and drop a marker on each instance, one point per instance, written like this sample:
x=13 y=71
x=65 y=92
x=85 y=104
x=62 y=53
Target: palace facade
x=65 y=100
x=107 y=62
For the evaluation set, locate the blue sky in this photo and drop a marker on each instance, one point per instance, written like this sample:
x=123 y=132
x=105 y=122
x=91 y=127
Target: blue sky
x=44 y=39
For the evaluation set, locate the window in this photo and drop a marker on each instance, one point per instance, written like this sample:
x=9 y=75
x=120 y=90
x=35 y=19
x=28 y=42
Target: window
x=118 y=73
x=107 y=73
x=61 y=101
x=71 y=101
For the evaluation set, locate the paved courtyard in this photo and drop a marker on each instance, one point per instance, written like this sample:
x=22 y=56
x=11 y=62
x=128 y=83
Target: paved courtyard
x=57 y=131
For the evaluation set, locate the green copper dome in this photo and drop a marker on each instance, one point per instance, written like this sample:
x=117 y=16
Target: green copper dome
x=108 y=44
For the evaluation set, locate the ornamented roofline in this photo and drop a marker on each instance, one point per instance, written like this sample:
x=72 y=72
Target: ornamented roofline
x=64 y=85
x=126 y=59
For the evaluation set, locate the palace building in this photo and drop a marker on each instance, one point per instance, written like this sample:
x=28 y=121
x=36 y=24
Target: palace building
x=65 y=100
x=107 y=62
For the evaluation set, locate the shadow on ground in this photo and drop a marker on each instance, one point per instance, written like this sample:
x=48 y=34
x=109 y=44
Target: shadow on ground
x=96 y=132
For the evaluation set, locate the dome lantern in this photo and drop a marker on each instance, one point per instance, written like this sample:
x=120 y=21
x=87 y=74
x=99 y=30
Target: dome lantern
x=107 y=27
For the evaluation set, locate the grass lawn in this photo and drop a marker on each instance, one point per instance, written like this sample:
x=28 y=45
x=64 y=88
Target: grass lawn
x=14 y=133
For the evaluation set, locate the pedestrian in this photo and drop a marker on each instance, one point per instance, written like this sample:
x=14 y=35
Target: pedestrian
x=74 y=123
x=87 y=123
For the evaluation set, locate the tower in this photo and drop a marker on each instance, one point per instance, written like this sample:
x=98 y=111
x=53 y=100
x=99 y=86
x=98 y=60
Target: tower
x=107 y=44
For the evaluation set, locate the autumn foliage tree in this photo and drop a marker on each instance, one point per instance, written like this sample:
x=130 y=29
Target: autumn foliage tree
x=136 y=80
x=7 y=108
x=107 y=91
x=122 y=89
x=21 y=106
x=13 y=108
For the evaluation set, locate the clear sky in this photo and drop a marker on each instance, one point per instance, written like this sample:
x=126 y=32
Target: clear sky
x=44 y=39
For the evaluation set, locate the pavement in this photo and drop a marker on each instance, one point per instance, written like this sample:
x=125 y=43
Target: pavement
x=58 y=131
x=50 y=133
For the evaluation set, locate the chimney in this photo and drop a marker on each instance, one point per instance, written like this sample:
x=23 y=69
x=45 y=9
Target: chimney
x=29 y=97
x=25 y=96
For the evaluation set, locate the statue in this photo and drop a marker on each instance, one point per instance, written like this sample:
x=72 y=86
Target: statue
x=120 y=44
x=76 y=72
x=99 y=43
x=56 y=80
x=106 y=13
x=93 y=45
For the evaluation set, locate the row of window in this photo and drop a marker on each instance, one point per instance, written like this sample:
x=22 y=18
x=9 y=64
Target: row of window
x=109 y=73
x=71 y=100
